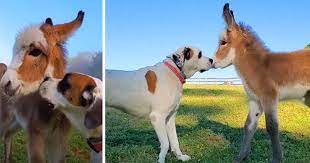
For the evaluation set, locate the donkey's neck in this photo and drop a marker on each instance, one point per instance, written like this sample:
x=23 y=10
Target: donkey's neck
x=250 y=66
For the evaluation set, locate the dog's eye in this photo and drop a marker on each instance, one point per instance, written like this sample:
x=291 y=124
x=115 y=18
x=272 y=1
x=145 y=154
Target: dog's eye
x=199 y=55
x=35 y=52
x=222 y=42
x=50 y=105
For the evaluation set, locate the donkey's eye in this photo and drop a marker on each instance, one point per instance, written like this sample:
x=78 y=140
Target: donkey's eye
x=199 y=55
x=35 y=52
x=222 y=42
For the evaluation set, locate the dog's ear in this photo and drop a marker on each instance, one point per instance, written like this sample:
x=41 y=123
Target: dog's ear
x=3 y=69
x=187 y=53
x=64 y=84
x=87 y=97
x=177 y=60
x=93 y=117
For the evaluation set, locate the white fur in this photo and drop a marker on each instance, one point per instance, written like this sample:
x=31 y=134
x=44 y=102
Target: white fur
x=29 y=35
x=296 y=91
x=128 y=91
x=75 y=114
x=227 y=61
x=254 y=113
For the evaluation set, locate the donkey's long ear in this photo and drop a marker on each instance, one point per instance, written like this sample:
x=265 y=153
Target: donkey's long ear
x=49 y=21
x=64 y=31
x=3 y=69
x=228 y=16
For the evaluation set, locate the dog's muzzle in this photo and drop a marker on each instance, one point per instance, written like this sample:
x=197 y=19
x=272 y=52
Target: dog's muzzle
x=95 y=143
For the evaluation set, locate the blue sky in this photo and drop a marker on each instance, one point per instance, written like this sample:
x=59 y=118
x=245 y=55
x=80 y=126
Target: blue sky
x=17 y=14
x=141 y=33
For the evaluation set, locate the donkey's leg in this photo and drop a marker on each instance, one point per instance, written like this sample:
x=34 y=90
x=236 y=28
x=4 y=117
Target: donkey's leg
x=250 y=127
x=307 y=98
x=272 y=127
x=173 y=138
x=35 y=146
x=57 y=142
x=7 y=149
x=8 y=141
x=158 y=122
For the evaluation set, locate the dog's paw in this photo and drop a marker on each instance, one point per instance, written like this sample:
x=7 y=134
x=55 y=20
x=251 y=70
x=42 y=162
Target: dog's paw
x=161 y=160
x=184 y=157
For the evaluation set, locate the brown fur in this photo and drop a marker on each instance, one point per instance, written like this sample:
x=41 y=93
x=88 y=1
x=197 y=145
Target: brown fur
x=77 y=83
x=151 y=80
x=54 y=55
x=43 y=125
x=264 y=71
x=3 y=69
x=45 y=128
x=35 y=65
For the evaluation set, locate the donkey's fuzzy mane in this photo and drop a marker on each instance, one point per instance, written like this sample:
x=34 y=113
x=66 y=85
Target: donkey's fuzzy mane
x=252 y=37
x=26 y=36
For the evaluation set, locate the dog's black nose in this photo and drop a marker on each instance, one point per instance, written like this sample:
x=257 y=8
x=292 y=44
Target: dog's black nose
x=211 y=60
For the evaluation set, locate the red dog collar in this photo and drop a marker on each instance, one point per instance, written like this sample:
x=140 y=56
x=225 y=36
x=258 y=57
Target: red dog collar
x=176 y=72
x=95 y=143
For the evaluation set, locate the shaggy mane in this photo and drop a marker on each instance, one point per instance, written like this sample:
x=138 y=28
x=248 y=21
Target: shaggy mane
x=252 y=37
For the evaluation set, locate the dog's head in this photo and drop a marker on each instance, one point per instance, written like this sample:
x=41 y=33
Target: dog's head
x=76 y=93
x=191 y=60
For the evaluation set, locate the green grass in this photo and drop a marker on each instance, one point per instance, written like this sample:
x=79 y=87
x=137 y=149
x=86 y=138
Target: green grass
x=78 y=151
x=209 y=126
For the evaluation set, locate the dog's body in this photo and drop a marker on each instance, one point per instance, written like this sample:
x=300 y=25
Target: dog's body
x=79 y=97
x=133 y=94
x=155 y=92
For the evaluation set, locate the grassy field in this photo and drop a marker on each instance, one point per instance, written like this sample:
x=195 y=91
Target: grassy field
x=78 y=149
x=209 y=127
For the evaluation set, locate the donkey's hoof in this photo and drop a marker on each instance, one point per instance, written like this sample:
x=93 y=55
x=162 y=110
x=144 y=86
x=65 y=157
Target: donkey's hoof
x=276 y=160
x=184 y=157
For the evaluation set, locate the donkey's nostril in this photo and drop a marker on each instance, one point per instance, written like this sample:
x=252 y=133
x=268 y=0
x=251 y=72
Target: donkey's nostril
x=8 y=84
x=7 y=87
x=211 y=60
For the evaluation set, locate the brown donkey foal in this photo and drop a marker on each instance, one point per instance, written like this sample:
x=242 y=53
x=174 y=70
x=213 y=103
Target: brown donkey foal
x=38 y=53
x=267 y=78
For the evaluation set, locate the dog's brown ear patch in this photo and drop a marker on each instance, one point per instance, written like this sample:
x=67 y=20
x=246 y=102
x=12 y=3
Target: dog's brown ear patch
x=3 y=69
x=93 y=117
x=151 y=80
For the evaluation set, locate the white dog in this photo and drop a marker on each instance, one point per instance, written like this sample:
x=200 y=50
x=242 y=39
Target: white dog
x=155 y=92
x=79 y=97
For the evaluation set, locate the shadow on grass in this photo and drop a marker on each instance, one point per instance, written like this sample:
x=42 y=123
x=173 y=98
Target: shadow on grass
x=210 y=92
x=294 y=148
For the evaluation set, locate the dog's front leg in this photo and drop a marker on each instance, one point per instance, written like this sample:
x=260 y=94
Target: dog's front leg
x=35 y=145
x=158 y=122
x=173 y=138
x=250 y=127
